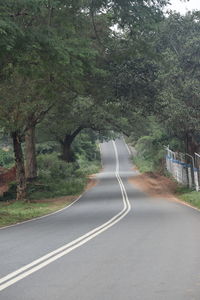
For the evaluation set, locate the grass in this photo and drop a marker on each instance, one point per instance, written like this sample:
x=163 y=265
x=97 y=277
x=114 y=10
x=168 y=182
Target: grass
x=45 y=190
x=50 y=185
x=143 y=165
x=42 y=199
x=15 y=212
x=189 y=196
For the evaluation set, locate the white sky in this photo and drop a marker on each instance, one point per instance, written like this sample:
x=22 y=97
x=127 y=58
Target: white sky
x=183 y=7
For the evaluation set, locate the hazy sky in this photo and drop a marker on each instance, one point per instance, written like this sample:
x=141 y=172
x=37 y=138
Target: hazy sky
x=183 y=7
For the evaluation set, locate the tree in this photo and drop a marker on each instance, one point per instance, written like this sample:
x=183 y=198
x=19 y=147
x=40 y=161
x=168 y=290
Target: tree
x=50 y=54
x=178 y=103
x=68 y=119
x=35 y=64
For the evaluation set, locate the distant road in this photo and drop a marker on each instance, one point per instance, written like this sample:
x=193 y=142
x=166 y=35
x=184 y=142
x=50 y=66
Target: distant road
x=115 y=243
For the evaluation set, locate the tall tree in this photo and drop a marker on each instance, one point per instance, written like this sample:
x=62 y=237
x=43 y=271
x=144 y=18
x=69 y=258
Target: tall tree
x=47 y=56
x=39 y=61
x=178 y=104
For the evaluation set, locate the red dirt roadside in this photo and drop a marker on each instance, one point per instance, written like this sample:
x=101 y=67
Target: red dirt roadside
x=155 y=184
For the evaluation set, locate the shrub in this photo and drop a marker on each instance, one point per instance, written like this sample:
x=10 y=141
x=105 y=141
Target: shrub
x=85 y=147
x=11 y=193
x=46 y=148
x=6 y=158
x=51 y=166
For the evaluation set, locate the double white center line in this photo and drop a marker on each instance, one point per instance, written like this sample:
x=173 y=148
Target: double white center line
x=45 y=260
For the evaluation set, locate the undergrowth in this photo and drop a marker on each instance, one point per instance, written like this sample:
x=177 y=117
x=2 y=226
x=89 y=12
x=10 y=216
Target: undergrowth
x=56 y=178
x=190 y=196
x=143 y=164
x=18 y=211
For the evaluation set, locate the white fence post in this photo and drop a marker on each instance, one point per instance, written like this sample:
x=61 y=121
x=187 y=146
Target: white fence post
x=183 y=172
x=196 y=180
x=190 y=171
x=197 y=157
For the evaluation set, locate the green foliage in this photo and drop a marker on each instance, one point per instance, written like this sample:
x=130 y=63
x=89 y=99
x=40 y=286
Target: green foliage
x=46 y=148
x=57 y=177
x=135 y=82
x=143 y=164
x=162 y=82
x=47 y=56
x=85 y=147
x=51 y=58
x=14 y=212
x=125 y=13
x=56 y=188
x=60 y=62
x=192 y=197
x=178 y=78
x=11 y=193
x=52 y=168
x=6 y=158
x=150 y=147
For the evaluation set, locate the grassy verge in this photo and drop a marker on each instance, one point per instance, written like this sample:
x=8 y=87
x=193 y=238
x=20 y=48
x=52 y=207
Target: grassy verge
x=189 y=196
x=143 y=164
x=57 y=186
x=45 y=190
x=15 y=212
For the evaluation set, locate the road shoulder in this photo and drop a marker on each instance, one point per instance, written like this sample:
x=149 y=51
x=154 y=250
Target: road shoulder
x=159 y=186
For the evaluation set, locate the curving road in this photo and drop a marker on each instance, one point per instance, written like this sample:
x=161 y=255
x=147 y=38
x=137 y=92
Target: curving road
x=115 y=243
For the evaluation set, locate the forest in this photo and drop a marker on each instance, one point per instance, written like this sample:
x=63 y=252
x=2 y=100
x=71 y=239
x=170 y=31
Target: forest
x=73 y=72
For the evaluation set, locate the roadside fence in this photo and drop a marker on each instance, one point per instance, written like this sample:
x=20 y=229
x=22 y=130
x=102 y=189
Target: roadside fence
x=184 y=168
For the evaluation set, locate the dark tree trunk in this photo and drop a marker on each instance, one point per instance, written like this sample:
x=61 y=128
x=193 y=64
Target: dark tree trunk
x=67 y=154
x=20 y=170
x=191 y=145
x=30 y=155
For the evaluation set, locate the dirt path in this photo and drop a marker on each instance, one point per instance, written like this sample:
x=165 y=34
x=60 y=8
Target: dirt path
x=155 y=185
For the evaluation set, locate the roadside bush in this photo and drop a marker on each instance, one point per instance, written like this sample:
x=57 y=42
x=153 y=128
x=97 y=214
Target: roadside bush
x=46 y=148
x=50 y=165
x=6 y=158
x=11 y=193
x=87 y=167
x=85 y=147
x=58 y=178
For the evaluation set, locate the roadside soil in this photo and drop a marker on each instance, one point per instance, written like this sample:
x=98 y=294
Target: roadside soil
x=92 y=182
x=155 y=185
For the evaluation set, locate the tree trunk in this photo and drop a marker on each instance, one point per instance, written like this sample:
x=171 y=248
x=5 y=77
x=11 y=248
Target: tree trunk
x=67 y=154
x=20 y=170
x=191 y=144
x=30 y=155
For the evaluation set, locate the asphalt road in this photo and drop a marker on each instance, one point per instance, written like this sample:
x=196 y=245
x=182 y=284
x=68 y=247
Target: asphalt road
x=113 y=243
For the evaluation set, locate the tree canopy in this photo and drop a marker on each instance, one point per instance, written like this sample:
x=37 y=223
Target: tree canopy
x=99 y=64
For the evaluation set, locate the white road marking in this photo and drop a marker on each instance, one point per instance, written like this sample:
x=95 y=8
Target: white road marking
x=127 y=147
x=45 y=260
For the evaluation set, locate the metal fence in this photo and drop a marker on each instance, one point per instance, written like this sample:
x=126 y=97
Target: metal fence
x=184 y=168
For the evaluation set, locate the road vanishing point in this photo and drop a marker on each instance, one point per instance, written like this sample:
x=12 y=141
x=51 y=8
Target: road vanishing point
x=114 y=243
